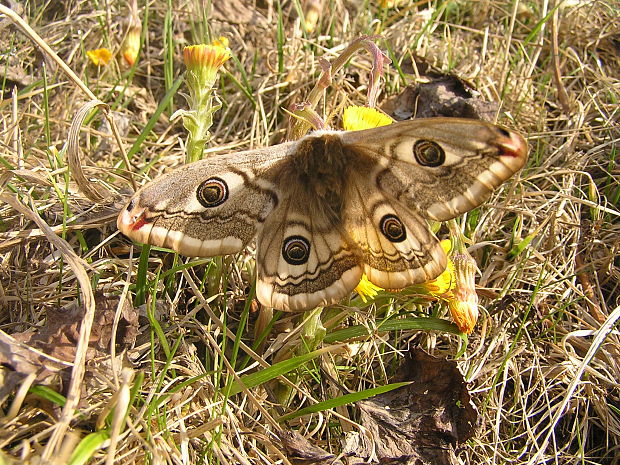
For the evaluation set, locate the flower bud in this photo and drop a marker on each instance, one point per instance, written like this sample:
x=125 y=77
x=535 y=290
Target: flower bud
x=464 y=302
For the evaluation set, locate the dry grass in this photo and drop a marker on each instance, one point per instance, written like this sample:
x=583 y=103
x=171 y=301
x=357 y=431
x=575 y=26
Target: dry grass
x=543 y=363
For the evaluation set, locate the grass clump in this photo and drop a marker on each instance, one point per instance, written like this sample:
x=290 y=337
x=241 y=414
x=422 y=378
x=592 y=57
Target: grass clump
x=542 y=364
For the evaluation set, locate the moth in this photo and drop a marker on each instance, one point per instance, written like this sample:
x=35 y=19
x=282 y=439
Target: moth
x=330 y=206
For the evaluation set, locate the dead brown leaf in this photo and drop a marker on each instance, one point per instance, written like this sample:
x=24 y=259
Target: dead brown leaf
x=300 y=451
x=424 y=421
x=445 y=95
x=50 y=349
x=421 y=423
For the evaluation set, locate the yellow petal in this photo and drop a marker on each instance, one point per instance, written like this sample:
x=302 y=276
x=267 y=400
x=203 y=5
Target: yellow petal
x=312 y=13
x=205 y=56
x=221 y=41
x=464 y=312
x=389 y=3
x=446 y=245
x=366 y=289
x=355 y=118
x=203 y=63
x=443 y=283
x=100 y=56
x=131 y=45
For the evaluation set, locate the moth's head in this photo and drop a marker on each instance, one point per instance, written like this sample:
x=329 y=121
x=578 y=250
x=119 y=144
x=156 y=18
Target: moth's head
x=319 y=152
x=131 y=218
x=511 y=144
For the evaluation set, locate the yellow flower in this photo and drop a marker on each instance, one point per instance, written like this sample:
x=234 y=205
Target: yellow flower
x=131 y=44
x=130 y=48
x=99 y=57
x=366 y=289
x=465 y=312
x=355 y=118
x=204 y=61
x=463 y=301
x=441 y=286
x=221 y=41
x=312 y=13
x=446 y=281
x=389 y=3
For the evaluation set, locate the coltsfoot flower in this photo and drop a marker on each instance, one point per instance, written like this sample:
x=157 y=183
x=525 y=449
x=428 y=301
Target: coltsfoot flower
x=463 y=302
x=367 y=290
x=355 y=118
x=100 y=56
x=221 y=41
x=390 y=3
x=445 y=282
x=312 y=13
x=203 y=63
x=130 y=48
x=463 y=299
x=131 y=44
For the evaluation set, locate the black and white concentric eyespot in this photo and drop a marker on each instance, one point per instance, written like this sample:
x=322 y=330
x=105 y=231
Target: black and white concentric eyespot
x=393 y=228
x=296 y=250
x=212 y=192
x=428 y=153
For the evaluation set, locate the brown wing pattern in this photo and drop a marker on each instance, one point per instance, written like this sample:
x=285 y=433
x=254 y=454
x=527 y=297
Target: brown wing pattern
x=331 y=206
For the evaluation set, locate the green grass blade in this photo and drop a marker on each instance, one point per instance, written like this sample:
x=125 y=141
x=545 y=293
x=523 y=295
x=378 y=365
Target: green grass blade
x=153 y=120
x=277 y=369
x=169 y=52
x=343 y=400
x=281 y=37
x=402 y=324
x=143 y=266
x=48 y=394
x=87 y=447
x=246 y=85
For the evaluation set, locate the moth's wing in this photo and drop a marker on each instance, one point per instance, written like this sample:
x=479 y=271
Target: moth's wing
x=398 y=248
x=207 y=208
x=304 y=259
x=475 y=158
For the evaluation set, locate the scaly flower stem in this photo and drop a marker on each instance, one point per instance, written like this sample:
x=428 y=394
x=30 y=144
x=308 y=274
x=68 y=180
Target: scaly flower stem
x=300 y=127
x=203 y=62
x=197 y=122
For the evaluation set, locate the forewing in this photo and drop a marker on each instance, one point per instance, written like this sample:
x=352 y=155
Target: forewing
x=477 y=158
x=207 y=208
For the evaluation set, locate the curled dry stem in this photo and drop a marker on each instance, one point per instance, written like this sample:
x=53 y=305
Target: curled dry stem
x=301 y=125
